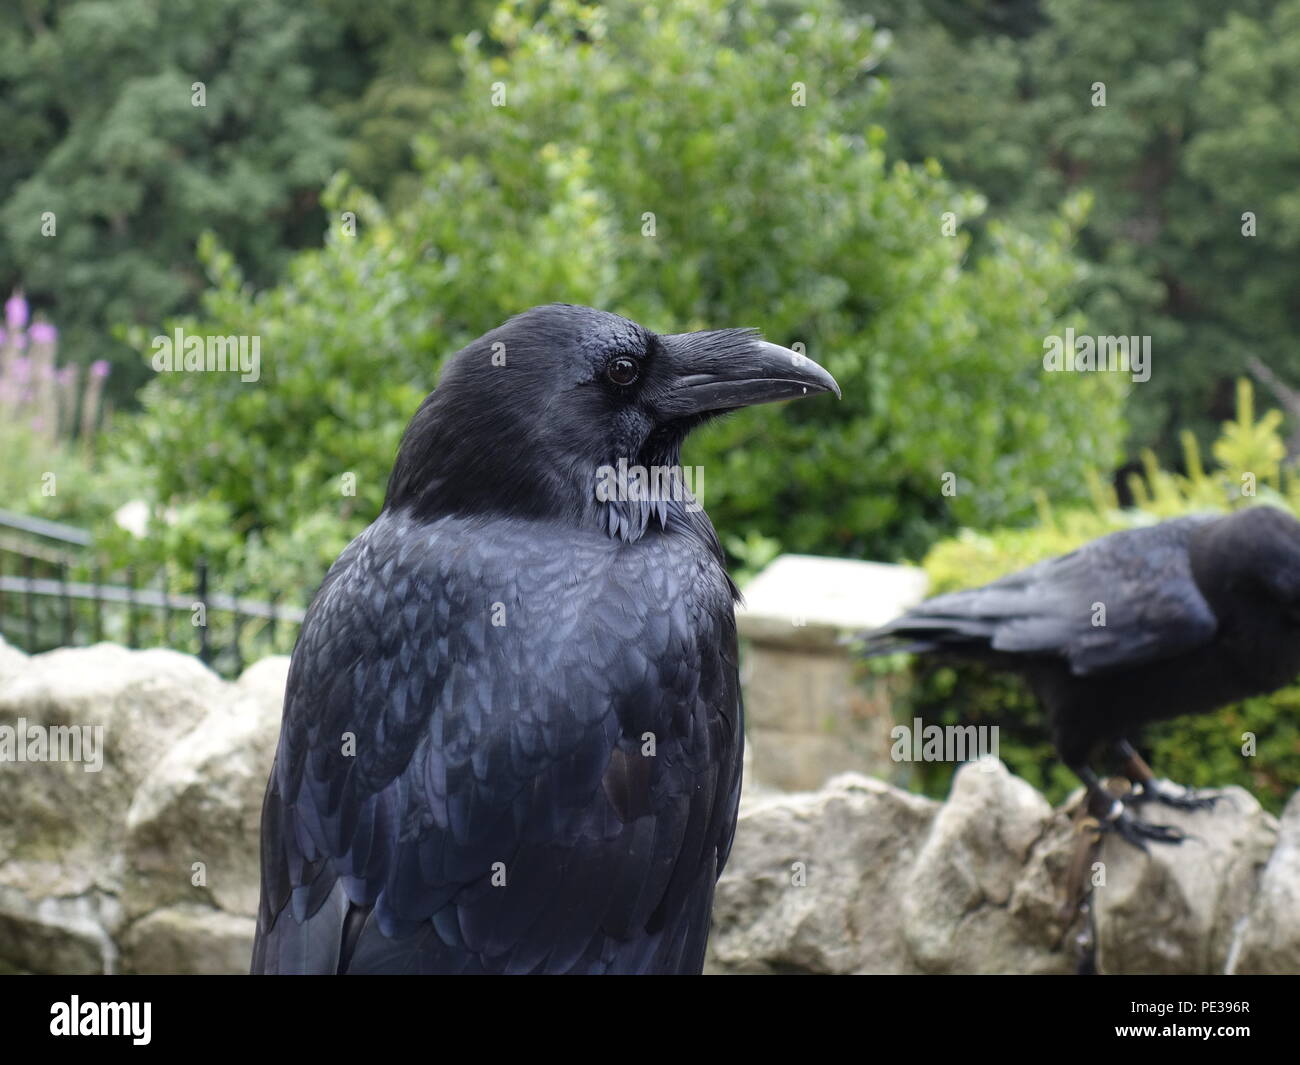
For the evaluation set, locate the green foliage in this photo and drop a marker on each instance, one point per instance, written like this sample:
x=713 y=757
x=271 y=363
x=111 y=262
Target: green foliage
x=1199 y=751
x=1202 y=99
x=403 y=48
x=98 y=126
x=651 y=161
x=57 y=480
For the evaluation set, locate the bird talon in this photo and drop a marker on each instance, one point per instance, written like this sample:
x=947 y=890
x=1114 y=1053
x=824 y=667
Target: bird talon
x=1163 y=793
x=1139 y=832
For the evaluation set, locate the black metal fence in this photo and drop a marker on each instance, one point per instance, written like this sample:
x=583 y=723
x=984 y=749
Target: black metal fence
x=55 y=593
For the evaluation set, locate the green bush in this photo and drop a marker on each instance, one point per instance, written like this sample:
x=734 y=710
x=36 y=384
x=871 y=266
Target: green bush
x=59 y=480
x=1200 y=751
x=616 y=123
x=1005 y=95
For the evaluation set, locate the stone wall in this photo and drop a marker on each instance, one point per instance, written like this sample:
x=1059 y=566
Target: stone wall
x=150 y=864
x=861 y=877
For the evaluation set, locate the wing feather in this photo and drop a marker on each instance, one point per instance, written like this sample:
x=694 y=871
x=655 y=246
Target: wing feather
x=1122 y=600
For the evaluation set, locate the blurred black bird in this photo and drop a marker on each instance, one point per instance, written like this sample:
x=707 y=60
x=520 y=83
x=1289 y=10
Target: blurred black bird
x=512 y=728
x=1142 y=625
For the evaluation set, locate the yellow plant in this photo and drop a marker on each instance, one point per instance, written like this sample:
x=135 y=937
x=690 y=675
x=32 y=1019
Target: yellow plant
x=1249 y=468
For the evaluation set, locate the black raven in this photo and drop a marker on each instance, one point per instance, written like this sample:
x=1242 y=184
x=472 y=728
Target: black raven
x=1142 y=625
x=512 y=728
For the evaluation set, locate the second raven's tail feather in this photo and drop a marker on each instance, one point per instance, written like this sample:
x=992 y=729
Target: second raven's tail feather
x=920 y=632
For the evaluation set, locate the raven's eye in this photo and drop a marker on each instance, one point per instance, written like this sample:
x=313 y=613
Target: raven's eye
x=622 y=370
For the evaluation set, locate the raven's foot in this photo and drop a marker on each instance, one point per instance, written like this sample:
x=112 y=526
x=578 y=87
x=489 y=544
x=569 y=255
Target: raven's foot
x=1170 y=794
x=1119 y=819
x=1162 y=791
x=1113 y=815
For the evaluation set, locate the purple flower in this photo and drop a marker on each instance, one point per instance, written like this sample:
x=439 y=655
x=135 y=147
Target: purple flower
x=99 y=368
x=22 y=366
x=16 y=310
x=43 y=333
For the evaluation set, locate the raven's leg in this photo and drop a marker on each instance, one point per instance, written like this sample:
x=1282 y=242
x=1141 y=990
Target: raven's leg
x=1137 y=770
x=1114 y=815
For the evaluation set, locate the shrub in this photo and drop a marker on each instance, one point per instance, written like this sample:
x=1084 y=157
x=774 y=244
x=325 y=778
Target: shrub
x=689 y=165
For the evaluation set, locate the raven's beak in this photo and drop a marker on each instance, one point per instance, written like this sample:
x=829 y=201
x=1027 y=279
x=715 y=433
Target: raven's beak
x=722 y=371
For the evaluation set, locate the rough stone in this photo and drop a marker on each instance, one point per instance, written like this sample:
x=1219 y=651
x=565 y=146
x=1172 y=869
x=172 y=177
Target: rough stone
x=65 y=825
x=815 y=880
x=960 y=905
x=1177 y=909
x=1270 y=935
x=189 y=940
x=12 y=660
x=193 y=826
x=896 y=883
x=98 y=870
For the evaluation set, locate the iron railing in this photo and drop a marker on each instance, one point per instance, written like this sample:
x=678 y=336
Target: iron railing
x=54 y=593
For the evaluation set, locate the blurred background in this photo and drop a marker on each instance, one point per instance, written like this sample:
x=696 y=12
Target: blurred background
x=919 y=192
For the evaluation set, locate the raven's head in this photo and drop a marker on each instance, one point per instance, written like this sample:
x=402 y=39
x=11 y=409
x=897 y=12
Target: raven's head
x=1268 y=541
x=558 y=412
x=1251 y=559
